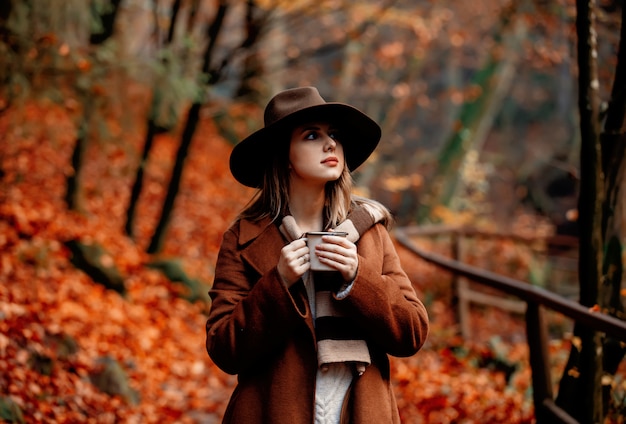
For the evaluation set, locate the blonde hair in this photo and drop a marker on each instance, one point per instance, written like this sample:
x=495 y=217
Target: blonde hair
x=272 y=199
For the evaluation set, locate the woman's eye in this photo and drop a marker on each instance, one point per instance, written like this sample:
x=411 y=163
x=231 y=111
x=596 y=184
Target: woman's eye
x=315 y=135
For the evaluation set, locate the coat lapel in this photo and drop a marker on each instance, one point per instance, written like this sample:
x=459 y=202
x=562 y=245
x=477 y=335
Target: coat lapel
x=261 y=243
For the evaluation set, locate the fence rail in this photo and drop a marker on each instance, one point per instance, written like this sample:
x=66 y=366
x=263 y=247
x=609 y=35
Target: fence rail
x=536 y=299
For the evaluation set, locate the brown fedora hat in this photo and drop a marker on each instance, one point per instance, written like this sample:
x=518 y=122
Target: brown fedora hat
x=250 y=158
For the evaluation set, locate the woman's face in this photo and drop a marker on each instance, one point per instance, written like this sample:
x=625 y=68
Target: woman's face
x=315 y=153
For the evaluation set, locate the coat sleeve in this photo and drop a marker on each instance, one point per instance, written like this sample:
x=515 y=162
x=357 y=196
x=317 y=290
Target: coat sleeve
x=382 y=299
x=251 y=316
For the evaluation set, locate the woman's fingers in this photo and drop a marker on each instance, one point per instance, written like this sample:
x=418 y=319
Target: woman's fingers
x=299 y=253
x=294 y=261
x=339 y=253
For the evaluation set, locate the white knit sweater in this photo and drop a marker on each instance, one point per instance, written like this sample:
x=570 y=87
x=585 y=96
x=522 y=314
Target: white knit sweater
x=332 y=382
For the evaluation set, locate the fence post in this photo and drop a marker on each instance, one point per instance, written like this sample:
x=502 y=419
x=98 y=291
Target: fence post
x=460 y=303
x=536 y=333
x=454 y=253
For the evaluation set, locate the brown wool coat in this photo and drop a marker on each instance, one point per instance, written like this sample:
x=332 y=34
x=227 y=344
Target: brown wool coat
x=264 y=333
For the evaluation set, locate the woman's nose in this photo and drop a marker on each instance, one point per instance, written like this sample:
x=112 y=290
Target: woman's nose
x=331 y=144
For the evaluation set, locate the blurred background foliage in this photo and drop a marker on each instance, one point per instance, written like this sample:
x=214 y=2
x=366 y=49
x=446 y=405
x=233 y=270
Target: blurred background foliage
x=477 y=99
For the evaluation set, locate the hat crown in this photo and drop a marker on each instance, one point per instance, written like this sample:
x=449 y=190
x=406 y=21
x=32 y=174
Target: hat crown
x=290 y=101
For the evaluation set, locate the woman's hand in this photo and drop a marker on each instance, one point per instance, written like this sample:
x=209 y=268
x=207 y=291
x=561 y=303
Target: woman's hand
x=339 y=253
x=294 y=261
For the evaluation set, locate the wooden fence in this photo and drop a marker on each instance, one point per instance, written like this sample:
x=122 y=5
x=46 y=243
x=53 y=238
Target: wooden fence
x=536 y=300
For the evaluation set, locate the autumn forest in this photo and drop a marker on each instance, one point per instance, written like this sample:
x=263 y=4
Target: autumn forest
x=117 y=118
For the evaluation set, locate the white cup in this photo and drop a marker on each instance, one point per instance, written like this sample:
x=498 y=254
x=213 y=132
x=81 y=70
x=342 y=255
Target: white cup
x=313 y=239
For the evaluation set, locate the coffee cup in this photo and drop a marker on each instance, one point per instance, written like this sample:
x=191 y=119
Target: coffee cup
x=313 y=239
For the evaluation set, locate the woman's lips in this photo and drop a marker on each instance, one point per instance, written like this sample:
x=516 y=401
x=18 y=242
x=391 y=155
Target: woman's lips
x=331 y=161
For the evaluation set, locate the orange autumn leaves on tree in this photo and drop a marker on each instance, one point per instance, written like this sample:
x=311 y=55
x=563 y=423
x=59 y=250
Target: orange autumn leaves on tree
x=59 y=330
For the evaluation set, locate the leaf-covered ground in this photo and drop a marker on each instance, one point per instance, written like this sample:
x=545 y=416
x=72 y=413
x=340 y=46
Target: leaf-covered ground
x=59 y=330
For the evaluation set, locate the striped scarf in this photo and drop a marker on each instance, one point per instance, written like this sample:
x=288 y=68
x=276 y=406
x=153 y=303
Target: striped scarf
x=338 y=340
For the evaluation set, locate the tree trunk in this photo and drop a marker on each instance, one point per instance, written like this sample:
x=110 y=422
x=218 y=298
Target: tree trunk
x=138 y=184
x=253 y=66
x=5 y=37
x=5 y=12
x=580 y=391
x=72 y=194
x=473 y=111
x=172 y=29
x=193 y=116
x=151 y=130
x=614 y=168
x=107 y=20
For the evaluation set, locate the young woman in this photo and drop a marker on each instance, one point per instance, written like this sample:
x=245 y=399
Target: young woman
x=308 y=346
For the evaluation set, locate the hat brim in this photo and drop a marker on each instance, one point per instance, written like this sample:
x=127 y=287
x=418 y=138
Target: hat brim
x=250 y=158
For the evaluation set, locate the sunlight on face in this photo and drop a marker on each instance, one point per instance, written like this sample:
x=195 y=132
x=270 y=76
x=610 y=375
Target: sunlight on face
x=315 y=153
